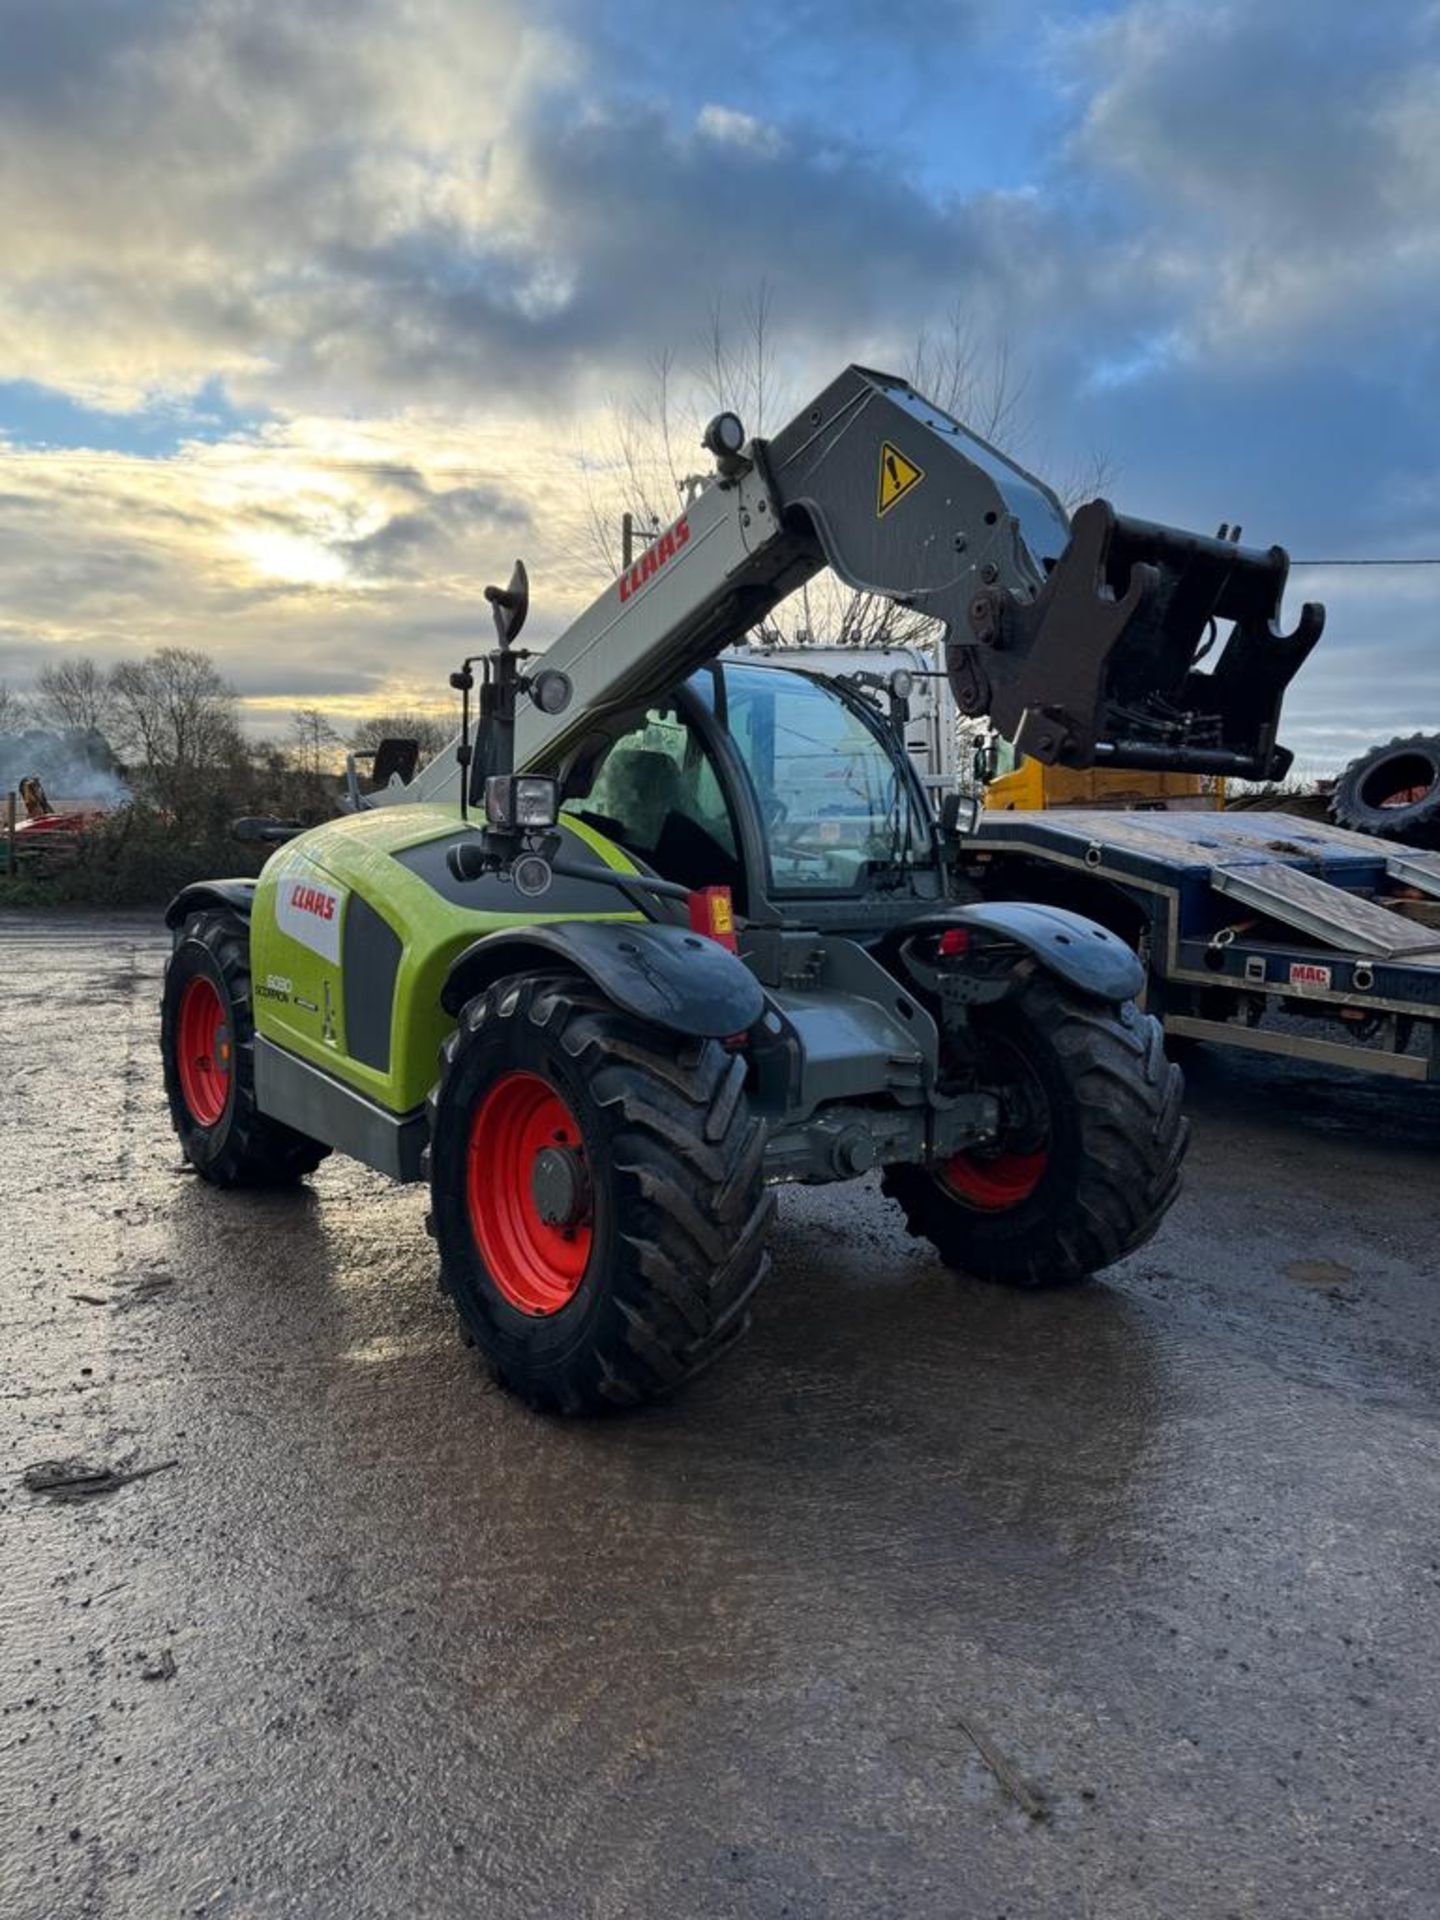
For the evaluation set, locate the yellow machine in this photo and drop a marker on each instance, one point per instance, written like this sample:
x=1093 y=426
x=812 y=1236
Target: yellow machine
x=1018 y=784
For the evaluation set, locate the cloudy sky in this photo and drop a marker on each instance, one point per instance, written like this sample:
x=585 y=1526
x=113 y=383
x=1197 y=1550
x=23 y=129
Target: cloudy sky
x=313 y=316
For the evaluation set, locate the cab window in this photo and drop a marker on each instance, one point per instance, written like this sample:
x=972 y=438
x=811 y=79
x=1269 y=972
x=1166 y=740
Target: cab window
x=656 y=794
x=831 y=796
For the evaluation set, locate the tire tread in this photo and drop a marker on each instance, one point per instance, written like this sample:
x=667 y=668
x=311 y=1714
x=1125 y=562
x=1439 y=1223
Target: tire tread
x=1128 y=1097
x=692 y=1211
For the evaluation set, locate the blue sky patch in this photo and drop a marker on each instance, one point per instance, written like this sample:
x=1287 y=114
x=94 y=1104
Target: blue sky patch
x=36 y=416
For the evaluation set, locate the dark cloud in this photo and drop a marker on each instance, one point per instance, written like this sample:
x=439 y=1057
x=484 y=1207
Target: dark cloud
x=409 y=544
x=1221 y=267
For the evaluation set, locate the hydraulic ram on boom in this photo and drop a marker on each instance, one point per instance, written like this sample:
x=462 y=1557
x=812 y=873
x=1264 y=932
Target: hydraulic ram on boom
x=1081 y=640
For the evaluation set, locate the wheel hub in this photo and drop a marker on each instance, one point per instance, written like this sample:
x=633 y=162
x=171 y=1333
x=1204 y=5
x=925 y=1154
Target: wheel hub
x=1005 y=1171
x=203 y=1051
x=559 y=1187
x=529 y=1193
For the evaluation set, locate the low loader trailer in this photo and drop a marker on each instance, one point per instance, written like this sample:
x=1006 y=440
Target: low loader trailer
x=1244 y=920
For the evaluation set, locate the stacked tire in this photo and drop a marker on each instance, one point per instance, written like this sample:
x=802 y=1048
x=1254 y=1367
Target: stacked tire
x=1393 y=792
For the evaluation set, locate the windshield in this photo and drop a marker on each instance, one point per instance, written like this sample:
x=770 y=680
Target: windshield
x=835 y=807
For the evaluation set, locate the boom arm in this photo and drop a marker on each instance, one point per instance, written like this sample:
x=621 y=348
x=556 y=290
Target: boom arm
x=1081 y=642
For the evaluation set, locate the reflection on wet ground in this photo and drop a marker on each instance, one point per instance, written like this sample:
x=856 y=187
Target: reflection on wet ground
x=930 y=1599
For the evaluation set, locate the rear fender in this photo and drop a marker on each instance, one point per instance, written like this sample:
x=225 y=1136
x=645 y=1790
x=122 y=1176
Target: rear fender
x=238 y=895
x=1074 y=950
x=664 y=975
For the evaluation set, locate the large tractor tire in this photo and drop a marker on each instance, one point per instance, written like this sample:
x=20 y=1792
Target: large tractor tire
x=1088 y=1161
x=207 y=1040
x=597 y=1195
x=1393 y=791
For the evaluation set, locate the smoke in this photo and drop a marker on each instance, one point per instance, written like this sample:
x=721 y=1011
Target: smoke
x=76 y=764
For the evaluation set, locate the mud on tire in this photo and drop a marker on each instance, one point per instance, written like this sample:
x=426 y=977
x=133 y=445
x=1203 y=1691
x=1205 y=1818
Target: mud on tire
x=233 y=1145
x=679 y=1213
x=1112 y=1161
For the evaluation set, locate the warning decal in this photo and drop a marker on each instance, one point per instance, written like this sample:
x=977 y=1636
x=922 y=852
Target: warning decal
x=897 y=477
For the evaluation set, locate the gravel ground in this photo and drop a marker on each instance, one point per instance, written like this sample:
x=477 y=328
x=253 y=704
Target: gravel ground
x=928 y=1600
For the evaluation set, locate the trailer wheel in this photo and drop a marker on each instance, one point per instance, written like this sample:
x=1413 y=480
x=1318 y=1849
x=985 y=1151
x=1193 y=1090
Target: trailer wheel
x=597 y=1195
x=1089 y=1160
x=207 y=1042
x=1393 y=791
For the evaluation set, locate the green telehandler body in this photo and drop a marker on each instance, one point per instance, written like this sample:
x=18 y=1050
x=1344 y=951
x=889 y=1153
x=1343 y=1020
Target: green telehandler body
x=669 y=929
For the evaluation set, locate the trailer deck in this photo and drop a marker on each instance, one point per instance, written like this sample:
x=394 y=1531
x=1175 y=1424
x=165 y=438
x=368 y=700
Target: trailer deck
x=1245 y=918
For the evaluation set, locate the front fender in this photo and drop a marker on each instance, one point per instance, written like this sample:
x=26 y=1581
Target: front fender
x=1084 y=955
x=665 y=975
x=239 y=895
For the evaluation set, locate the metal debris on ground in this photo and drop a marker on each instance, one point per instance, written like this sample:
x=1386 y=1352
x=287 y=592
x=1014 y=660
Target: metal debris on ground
x=1028 y=1801
x=129 y=1292
x=77 y=1480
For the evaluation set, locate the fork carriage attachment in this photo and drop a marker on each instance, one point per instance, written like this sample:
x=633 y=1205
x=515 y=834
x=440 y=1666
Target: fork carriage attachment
x=1080 y=640
x=1101 y=668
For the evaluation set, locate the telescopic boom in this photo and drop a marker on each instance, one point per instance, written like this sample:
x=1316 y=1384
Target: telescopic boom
x=1081 y=640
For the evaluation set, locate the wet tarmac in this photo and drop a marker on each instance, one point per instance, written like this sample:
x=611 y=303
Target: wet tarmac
x=930 y=1600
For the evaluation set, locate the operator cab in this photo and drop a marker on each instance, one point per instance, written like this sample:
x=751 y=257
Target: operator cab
x=781 y=785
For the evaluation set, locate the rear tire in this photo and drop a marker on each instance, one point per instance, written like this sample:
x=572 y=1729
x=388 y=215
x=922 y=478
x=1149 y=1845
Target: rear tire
x=634 y=1267
x=1094 y=1169
x=1393 y=792
x=207 y=1042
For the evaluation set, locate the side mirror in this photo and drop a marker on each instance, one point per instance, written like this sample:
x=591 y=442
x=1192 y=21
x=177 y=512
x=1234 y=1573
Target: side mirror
x=395 y=757
x=510 y=604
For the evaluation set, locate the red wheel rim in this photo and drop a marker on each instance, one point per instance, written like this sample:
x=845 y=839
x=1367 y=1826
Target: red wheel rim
x=202 y=1051
x=996 y=1184
x=537 y=1263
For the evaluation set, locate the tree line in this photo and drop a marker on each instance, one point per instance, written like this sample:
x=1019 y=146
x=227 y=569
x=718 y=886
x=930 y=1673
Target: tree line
x=172 y=721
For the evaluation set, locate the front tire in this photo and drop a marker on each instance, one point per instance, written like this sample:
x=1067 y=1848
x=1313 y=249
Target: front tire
x=207 y=1042
x=598 y=1195
x=1090 y=1159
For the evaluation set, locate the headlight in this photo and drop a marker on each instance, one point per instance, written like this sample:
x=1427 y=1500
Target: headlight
x=521 y=800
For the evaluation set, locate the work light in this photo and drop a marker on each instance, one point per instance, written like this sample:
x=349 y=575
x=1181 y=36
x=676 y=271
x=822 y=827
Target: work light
x=724 y=436
x=523 y=800
x=551 y=690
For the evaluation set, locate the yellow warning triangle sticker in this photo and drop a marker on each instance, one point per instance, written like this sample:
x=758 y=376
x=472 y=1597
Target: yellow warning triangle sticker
x=897 y=476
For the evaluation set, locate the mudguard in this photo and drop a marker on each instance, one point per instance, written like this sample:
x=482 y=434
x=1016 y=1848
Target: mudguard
x=236 y=894
x=1085 y=956
x=665 y=975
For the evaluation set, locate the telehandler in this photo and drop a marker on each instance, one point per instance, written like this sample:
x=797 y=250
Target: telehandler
x=679 y=928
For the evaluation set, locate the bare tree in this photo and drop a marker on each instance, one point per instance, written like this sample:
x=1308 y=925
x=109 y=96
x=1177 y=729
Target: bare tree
x=312 y=741
x=643 y=465
x=175 y=716
x=432 y=730
x=14 y=710
x=75 y=693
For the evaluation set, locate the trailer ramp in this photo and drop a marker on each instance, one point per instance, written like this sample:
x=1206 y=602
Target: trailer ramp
x=1317 y=879
x=1326 y=913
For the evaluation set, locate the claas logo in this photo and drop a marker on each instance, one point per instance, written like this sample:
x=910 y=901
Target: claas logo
x=653 y=558
x=313 y=900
